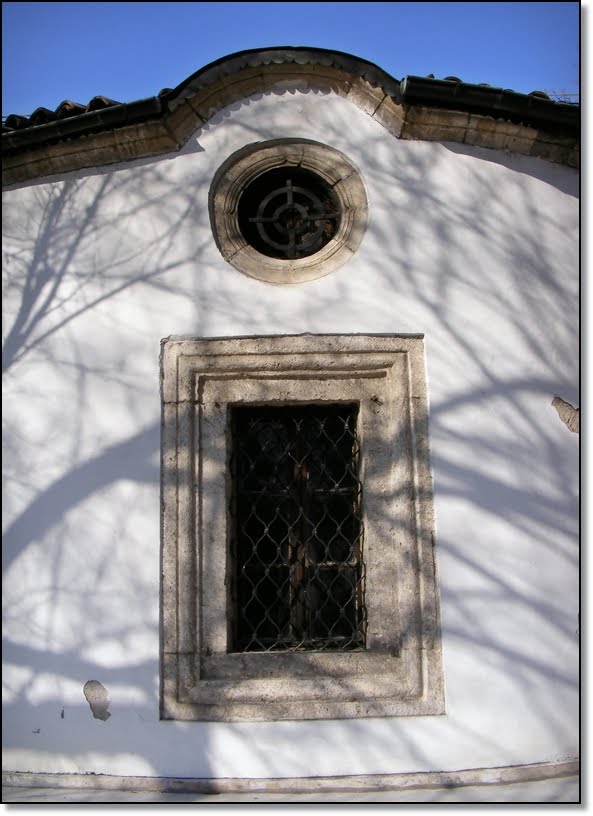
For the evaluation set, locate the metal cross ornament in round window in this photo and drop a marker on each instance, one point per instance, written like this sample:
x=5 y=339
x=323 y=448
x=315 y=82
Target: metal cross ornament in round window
x=288 y=213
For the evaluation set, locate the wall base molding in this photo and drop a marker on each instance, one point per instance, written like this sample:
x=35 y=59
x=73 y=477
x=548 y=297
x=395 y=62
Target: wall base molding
x=426 y=780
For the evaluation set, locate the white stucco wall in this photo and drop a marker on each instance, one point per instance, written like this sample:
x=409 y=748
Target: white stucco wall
x=476 y=249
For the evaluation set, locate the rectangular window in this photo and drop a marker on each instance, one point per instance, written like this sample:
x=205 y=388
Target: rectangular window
x=298 y=569
x=297 y=531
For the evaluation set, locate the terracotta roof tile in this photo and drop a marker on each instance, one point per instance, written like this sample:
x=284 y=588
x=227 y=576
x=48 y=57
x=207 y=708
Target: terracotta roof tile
x=66 y=109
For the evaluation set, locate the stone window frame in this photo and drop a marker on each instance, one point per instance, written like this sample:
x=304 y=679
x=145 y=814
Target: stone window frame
x=400 y=671
x=240 y=169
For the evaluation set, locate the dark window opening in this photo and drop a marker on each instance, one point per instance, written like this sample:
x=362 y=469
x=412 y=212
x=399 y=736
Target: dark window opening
x=288 y=213
x=298 y=580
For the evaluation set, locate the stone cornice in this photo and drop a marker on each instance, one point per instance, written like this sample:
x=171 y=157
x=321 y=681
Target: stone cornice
x=415 y=108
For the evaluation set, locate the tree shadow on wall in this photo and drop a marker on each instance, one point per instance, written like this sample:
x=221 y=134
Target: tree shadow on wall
x=89 y=284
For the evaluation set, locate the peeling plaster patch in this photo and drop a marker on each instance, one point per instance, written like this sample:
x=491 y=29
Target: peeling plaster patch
x=568 y=414
x=98 y=699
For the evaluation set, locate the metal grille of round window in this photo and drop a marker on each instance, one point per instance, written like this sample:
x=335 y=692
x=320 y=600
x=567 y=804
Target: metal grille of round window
x=297 y=541
x=288 y=213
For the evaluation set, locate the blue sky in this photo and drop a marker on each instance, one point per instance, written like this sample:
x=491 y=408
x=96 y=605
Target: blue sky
x=129 y=51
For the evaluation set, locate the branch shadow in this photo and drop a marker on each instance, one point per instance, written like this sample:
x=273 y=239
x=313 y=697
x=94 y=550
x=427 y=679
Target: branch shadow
x=99 y=267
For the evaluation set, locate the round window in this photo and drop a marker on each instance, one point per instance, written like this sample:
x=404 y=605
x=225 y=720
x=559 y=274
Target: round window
x=287 y=211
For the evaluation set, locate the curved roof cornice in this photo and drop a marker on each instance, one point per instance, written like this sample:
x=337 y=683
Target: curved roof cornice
x=107 y=132
x=262 y=58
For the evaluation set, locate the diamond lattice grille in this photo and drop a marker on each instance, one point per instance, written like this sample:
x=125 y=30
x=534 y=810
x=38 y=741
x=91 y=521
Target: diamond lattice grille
x=297 y=543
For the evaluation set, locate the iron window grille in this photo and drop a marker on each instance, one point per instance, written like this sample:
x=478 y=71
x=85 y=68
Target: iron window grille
x=288 y=213
x=297 y=534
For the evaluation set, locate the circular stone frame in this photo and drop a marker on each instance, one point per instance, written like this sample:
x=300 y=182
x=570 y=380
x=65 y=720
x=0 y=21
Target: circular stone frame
x=240 y=169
